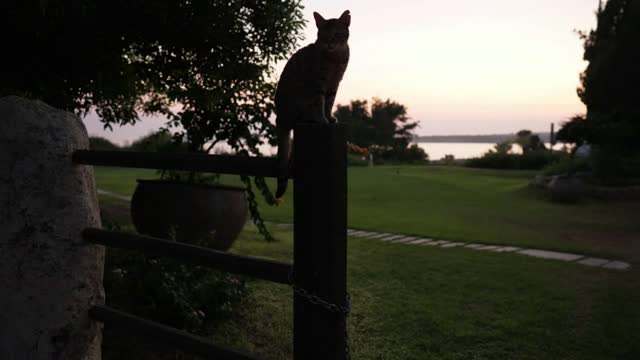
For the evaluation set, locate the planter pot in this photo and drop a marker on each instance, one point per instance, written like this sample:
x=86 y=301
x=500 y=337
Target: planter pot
x=209 y=215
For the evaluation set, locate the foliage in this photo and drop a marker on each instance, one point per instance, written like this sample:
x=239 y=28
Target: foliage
x=156 y=142
x=573 y=131
x=204 y=64
x=608 y=88
x=567 y=166
x=193 y=298
x=531 y=160
x=356 y=160
x=100 y=143
x=207 y=66
x=448 y=159
x=503 y=147
x=383 y=128
x=528 y=141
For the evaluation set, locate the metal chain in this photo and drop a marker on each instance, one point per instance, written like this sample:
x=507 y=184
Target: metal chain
x=327 y=305
x=253 y=209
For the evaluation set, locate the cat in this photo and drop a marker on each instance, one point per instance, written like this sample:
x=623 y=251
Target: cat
x=308 y=85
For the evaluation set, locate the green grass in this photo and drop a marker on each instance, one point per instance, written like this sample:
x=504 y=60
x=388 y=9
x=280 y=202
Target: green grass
x=485 y=206
x=417 y=302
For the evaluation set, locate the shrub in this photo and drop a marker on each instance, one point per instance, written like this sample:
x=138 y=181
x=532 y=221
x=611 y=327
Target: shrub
x=100 y=143
x=567 y=166
x=187 y=297
x=356 y=160
x=532 y=160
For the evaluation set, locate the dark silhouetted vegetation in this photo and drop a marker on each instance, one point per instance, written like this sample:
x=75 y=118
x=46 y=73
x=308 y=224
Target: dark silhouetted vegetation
x=609 y=89
x=534 y=154
x=383 y=128
x=100 y=143
x=532 y=160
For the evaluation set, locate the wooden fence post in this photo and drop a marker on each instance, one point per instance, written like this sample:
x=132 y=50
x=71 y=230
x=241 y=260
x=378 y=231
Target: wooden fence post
x=320 y=241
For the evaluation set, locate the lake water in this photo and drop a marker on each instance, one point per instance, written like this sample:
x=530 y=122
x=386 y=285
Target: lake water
x=438 y=150
x=435 y=150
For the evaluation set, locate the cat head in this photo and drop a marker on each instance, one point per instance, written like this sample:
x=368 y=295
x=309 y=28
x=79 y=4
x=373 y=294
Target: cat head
x=333 y=33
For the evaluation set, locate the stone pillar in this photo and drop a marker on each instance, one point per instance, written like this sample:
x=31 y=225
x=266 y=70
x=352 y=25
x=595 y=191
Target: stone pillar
x=48 y=277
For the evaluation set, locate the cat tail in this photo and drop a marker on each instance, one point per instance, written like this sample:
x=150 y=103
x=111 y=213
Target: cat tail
x=284 y=157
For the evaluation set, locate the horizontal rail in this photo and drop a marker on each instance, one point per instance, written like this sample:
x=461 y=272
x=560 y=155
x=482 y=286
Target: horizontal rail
x=222 y=164
x=255 y=267
x=165 y=334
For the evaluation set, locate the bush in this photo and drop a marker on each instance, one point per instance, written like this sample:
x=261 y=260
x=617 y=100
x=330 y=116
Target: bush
x=157 y=141
x=187 y=297
x=100 y=143
x=567 y=166
x=532 y=160
x=356 y=160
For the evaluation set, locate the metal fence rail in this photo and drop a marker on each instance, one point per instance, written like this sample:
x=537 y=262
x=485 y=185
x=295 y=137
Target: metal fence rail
x=167 y=335
x=244 y=265
x=318 y=276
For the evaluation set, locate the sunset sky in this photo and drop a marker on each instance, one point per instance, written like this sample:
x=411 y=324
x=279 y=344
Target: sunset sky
x=461 y=67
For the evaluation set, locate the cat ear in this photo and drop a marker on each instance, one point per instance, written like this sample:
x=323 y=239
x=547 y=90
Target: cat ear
x=319 y=19
x=345 y=18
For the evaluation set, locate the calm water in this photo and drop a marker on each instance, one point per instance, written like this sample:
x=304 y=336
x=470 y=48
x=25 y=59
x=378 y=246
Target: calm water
x=436 y=151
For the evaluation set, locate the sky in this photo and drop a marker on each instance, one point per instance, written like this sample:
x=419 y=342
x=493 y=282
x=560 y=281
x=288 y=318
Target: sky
x=460 y=67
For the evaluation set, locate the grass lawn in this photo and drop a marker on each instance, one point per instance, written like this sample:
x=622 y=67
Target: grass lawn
x=452 y=203
x=417 y=302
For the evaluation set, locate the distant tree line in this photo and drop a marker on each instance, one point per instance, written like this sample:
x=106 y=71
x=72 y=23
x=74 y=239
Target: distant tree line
x=534 y=154
x=491 y=138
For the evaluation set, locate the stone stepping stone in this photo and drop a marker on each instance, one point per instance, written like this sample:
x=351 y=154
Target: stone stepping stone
x=392 y=237
x=453 y=244
x=502 y=249
x=357 y=233
x=488 y=247
x=419 y=241
x=404 y=240
x=618 y=265
x=378 y=235
x=437 y=242
x=366 y=234
x=593 y=261
x=545 y=254
x=475 y=246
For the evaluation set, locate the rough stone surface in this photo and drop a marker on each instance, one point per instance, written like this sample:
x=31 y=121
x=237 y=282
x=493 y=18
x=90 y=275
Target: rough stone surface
x=474 y=246
x=506 y=249
x=420 y=241
x=618 y=265
x=392 y=237
x=436 y=242
x=488 y=247
x=48 y=277
x=404 y=239
x=550 y=255
x=453 y=244
x=378 y=235
x=593 y=261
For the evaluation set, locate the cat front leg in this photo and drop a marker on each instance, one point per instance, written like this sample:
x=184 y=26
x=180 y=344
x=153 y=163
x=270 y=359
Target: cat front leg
x=330 y=98
x=318 y=108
